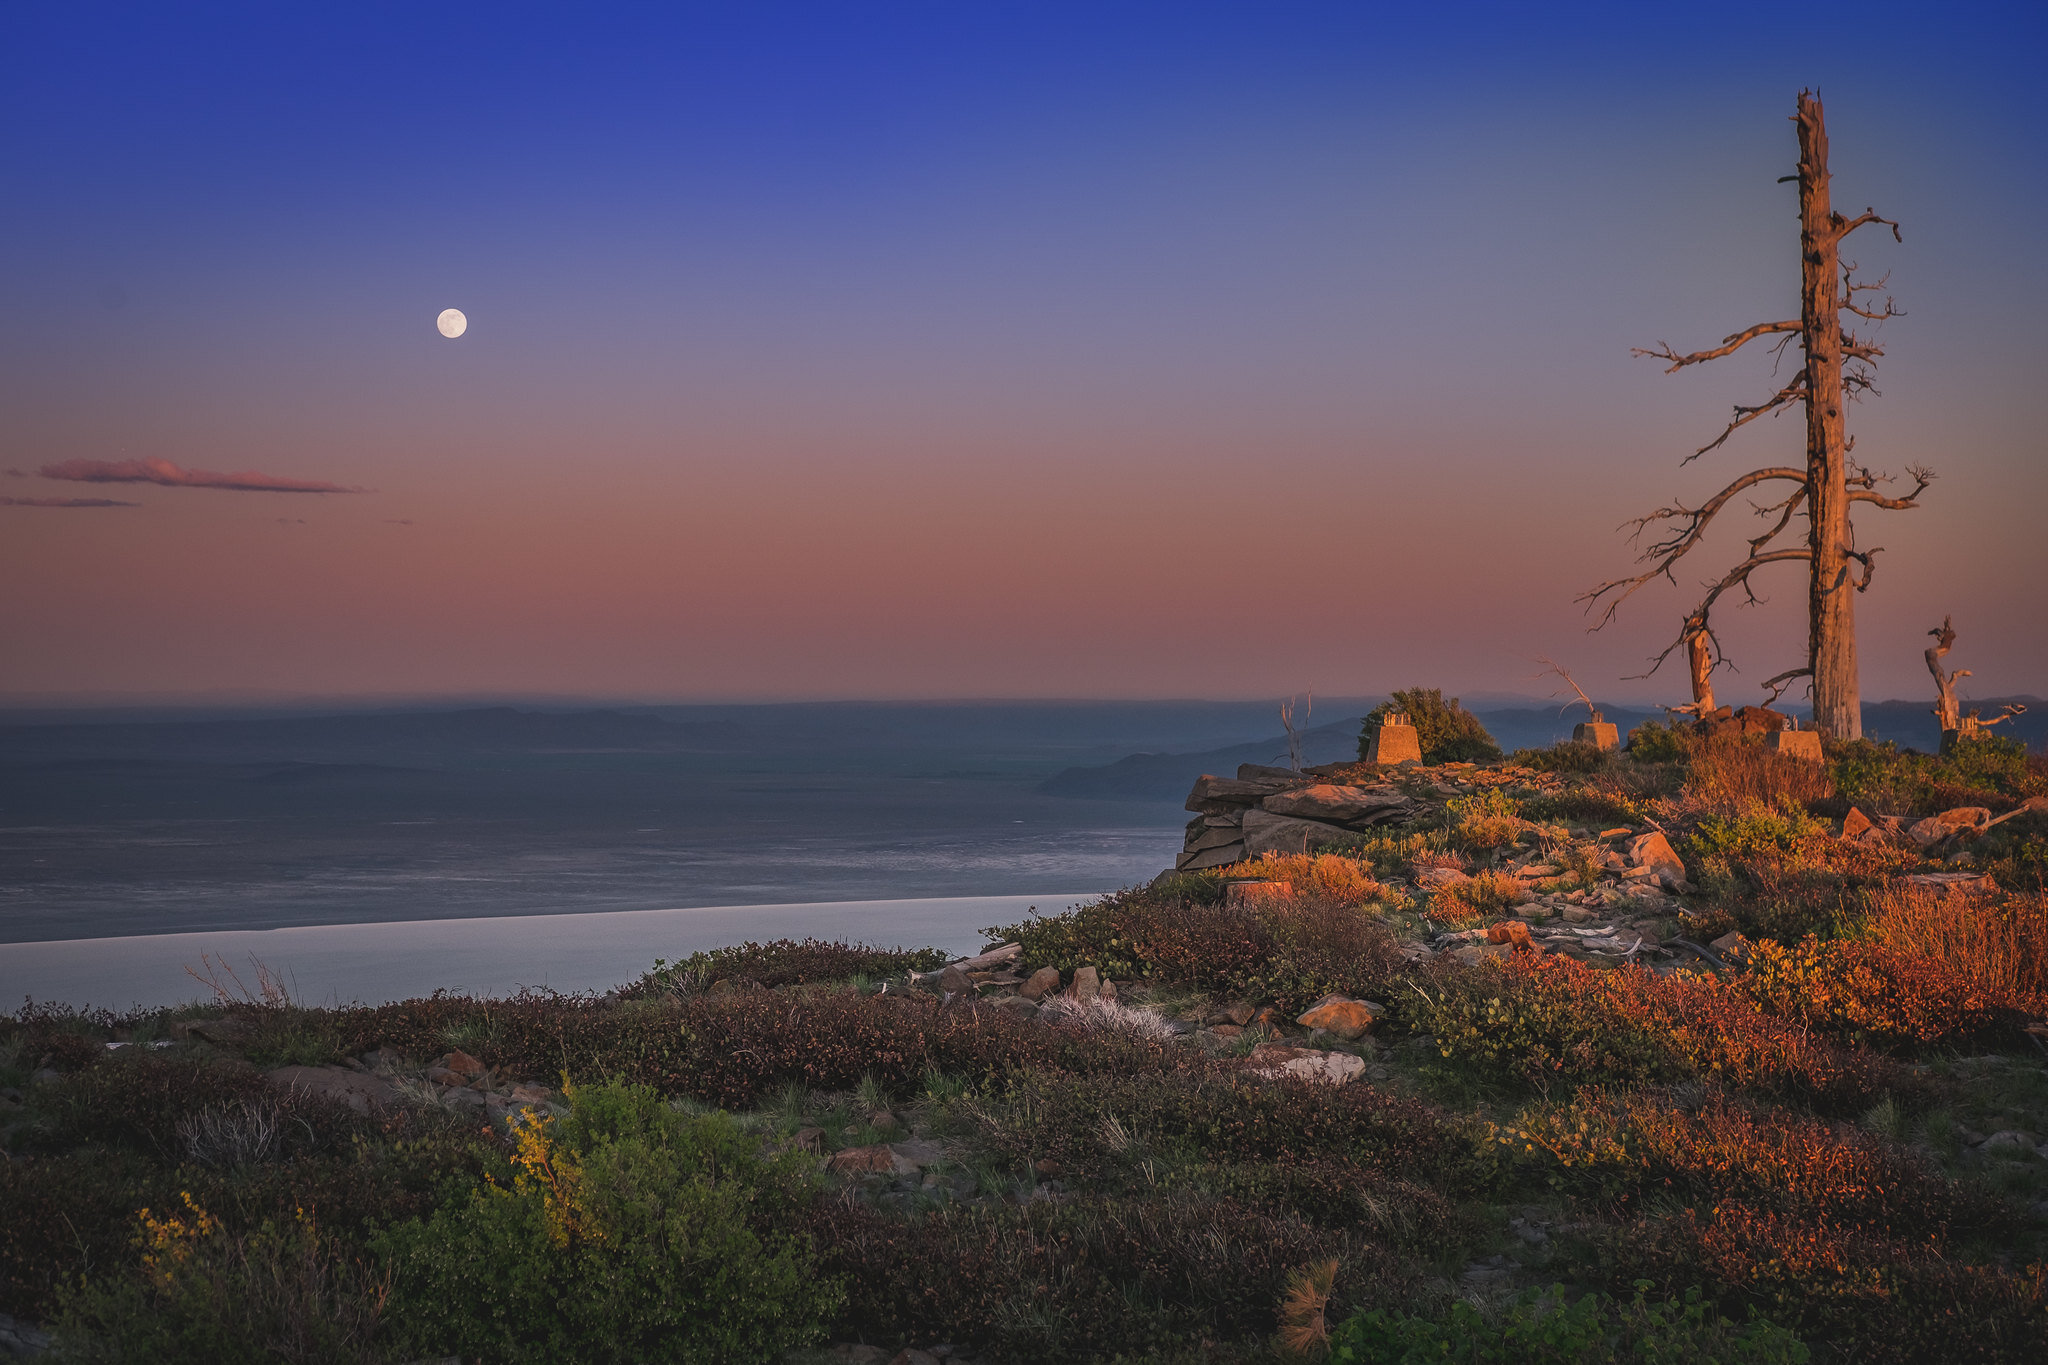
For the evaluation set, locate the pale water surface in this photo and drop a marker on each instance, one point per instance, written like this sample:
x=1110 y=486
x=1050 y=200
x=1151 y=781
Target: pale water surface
x=328 y=964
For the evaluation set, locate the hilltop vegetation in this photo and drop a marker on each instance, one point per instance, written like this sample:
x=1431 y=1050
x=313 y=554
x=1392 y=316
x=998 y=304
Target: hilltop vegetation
x=1584 y=1057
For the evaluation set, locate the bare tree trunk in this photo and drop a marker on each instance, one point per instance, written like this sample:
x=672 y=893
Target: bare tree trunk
x=1946 y=712
x=1831 y=614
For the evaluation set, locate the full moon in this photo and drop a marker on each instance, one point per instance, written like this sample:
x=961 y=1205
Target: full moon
x=452 y=323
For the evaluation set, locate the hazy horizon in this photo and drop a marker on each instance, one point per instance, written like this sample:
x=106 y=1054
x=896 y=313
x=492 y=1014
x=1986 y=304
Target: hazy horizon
x=1104 y=351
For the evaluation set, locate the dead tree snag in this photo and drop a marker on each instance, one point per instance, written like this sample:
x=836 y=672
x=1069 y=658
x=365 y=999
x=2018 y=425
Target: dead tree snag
x=1956 y=727
x=1838 y=366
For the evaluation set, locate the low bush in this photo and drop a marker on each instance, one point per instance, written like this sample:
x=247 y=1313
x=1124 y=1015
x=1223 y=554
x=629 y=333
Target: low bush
x=1446 y=731
x=1539 y=1326
x=1869 y=1298
x=1089 y=1279
x=786 y=962
x=1541 y=1022
x=1485 y=822
x=1615 y=1148
x=1871 y=992
x=1881 y=778
x=1482 y=896
x=1289 y=950
x=627 y=1232
x=1572 y=756
x=1652 y=742
x=2000 y=946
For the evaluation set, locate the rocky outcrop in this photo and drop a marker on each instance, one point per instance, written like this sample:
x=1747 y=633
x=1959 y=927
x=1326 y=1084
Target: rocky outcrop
x=1277 y=810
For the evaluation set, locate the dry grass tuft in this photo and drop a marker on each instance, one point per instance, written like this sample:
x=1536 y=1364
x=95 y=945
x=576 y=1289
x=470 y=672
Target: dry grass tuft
x=1737 y=776
x=1325 y=876
x=2000 y=947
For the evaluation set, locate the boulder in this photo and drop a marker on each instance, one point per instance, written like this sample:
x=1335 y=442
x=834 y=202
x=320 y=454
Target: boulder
x=2010 y=1142
x=1266 y=772
x=1654 y=852
x=1276 y=1060
x=953 y=981
x=1472 y=954
x=1265 y=832
x=1858 y=827
x=1086 y=987
x=1338 y=805
x=462 y=1064
x=1431 y=877
x=1346 y=1018
x=1042 y=982
x=1218 y=794
x=1948 y=824
x=528 y=1093
x=358 y=1090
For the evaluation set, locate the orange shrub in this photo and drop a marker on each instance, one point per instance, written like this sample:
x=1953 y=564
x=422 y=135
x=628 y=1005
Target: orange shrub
x=1869 y=1298
x=1323 y=874
x=1869 y=992
x=1541 y=1021
x=1624 y=1147
x=2000 y=947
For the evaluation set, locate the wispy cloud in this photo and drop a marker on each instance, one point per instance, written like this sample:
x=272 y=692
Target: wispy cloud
x=155 y=470
x=65 y=502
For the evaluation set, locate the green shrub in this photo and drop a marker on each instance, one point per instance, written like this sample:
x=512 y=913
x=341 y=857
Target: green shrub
x=1753 y=835
x=787 y=962
x=1549 y=1326
x=1571 y=756
x=1446 y=731
x=628 y=1233
x=1651 y=742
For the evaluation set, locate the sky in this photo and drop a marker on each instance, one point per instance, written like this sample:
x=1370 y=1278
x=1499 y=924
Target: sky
x=941 y=350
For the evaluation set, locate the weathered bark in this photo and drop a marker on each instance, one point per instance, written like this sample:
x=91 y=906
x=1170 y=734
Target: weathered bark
x=1945 y=710
x=1699 y=654
x=1831 y=605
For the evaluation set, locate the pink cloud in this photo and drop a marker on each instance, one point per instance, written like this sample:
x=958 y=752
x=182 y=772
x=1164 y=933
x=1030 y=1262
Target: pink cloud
x=154 y=470
x=65 y=502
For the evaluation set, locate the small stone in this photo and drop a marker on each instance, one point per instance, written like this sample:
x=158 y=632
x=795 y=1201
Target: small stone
x=441 y=1075
x=1041 y=983
x=1578 y=914
x=462 y=1064
x=528 y=1093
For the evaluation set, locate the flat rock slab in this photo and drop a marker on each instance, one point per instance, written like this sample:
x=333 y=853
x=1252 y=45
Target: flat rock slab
x=1265 y=832
x=1337 y=805
x=358 y=1090
x=1274 y=1060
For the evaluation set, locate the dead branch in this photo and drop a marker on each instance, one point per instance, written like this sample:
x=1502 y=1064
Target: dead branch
x=1729 y=345
x=1552 y=666
x=1795 y=392
x=1776 y=686
x=1696 y=624
x=1846 y=226
x=1920 y=474
x=1665 y=553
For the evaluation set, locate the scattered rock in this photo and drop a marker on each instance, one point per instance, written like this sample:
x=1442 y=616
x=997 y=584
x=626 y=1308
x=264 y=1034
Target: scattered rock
x=17 y=1338
x=1654 y=852
x=1434 y=878
x=808 y=1140
x=528 y=1093
x=462 y=1064
x=953 y=981
x=851 y=1353
x=359 y=1091
x=1041 y=983
x=1274 y=1060
x=2009 y=1142
x=1472 y=954
x=908 y=1356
